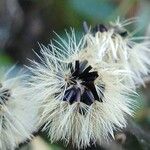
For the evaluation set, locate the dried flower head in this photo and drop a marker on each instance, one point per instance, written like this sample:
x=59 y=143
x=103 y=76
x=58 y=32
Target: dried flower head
x=115 y=45
x=81 y=102
x=17 y=113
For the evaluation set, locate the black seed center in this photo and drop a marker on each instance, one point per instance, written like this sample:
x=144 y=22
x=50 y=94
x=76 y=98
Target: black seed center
x=104 y=28
x=99 y=28
x=81 y=87
x=4 y=95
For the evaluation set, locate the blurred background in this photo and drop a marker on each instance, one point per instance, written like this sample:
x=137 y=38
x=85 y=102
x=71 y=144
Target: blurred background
x=24 y=23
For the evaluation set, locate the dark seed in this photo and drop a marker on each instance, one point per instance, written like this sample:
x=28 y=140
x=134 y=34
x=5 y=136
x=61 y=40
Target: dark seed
x=124 y=34
x=82 y=87
x=100 y=28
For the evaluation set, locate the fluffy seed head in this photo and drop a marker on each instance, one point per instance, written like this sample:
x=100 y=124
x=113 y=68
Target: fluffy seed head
x=81 y=101
x=17 y=114
x=114 y=45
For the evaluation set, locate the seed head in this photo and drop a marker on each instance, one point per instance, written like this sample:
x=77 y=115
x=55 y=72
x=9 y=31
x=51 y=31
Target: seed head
x=17 y=113
x=116 y=46
x=81 y=101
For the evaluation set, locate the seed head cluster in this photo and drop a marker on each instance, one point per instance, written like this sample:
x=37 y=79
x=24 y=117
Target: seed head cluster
x=79 y=91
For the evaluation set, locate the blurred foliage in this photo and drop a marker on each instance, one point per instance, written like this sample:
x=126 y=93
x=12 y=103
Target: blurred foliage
x=94 y=10
x=5 y=60
x=23 y=23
